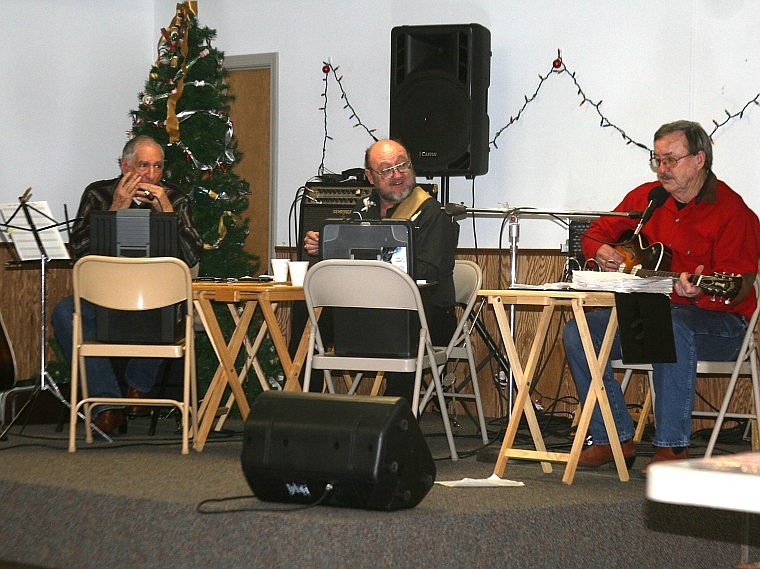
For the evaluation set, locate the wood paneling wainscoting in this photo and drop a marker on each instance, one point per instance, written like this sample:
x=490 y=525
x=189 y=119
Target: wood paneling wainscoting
x=20 y=307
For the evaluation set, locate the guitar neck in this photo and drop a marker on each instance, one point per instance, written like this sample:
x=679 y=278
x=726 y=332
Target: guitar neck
x=722 y=285
x=649 y=273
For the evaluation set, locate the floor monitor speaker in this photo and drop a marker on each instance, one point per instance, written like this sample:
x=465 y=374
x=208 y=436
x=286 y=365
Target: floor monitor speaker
x=336 y=450
x=440 y=76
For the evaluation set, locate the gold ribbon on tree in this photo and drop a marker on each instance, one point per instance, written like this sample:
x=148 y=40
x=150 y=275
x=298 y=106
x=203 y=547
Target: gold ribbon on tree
x=173 y=38
x=235 y=218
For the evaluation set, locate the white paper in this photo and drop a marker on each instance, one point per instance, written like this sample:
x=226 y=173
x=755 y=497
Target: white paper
x=620 y=282
x=492 y=481
x=23 y=237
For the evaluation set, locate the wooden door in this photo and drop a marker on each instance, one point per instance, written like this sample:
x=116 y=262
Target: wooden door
x=251 y=116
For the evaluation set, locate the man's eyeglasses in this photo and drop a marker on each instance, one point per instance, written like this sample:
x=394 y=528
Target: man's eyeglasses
x=655 y=161
x=387 y=173
x=143 y=166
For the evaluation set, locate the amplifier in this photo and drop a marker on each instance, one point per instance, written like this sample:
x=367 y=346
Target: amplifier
x=322 y=201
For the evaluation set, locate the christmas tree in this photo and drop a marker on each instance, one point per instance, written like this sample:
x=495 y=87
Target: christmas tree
x=184 y=107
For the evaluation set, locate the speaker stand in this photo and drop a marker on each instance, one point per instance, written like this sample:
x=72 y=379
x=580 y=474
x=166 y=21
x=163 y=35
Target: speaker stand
x=444 y=190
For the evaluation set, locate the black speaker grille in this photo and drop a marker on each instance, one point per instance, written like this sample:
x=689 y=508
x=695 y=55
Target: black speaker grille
x=439 y=97
x=576 y=228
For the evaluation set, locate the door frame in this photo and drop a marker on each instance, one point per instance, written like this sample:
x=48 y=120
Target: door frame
x=265 y=61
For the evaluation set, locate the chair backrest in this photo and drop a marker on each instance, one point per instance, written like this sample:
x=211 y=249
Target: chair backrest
x=125 y=283
x=468 y=279
x=749 y=339
x=361 y=284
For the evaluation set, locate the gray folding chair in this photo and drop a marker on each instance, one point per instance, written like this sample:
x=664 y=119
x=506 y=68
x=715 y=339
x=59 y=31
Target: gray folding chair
x=468 y=279
x=744 y=365
x=370 y=284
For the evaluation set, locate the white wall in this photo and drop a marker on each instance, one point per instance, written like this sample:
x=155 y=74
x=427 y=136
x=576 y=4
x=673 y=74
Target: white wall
x=70 y=73
x=75 y=68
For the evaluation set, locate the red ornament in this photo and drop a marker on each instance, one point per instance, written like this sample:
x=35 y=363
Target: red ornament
x=557 y=63
x=325 y=69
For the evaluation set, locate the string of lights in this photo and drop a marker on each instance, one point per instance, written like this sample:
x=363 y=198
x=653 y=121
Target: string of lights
x=327 y=69
x=730 y=116
x=558 y=68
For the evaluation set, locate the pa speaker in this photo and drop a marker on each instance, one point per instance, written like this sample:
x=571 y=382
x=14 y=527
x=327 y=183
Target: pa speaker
x=336 y=450
x=439 y=97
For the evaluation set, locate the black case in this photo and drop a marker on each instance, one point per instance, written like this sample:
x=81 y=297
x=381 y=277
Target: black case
x=369 y=331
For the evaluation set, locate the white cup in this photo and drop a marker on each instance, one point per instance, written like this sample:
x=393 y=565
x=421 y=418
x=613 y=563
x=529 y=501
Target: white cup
x=298 y=271
x=280 y=270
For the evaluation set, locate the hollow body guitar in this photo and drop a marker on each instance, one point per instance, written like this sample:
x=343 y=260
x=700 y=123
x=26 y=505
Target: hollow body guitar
x=7 y=360
x=645 y=260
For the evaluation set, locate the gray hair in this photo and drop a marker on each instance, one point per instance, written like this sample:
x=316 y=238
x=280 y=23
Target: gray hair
x=696 y=138
x=130 y=148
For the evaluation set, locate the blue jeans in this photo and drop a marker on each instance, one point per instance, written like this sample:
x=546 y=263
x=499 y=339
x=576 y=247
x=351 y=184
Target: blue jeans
x=141 y=373
x=699 y=334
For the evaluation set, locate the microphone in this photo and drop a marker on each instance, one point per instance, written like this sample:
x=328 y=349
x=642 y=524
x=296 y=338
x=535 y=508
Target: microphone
x=657 y=197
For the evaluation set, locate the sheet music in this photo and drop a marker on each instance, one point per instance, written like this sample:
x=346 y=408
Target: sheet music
x=620 y=282
x=23 y=237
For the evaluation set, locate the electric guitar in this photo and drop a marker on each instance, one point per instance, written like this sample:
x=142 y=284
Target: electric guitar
x=7 y=360
x=653 y=260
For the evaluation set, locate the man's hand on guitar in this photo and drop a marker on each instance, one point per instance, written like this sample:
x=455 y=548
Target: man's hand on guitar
x=608 y=258
x=684 y=287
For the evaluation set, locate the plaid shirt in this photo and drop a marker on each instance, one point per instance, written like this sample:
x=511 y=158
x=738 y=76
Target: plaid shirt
x=98 y=197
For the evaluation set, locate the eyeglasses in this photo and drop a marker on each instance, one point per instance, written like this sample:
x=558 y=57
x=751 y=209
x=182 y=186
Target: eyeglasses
x=655 y=161
x=387 y=173
x=143 y=166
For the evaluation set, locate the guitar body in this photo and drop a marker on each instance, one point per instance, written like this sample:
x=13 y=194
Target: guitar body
x=7 y=360
x=639 y=254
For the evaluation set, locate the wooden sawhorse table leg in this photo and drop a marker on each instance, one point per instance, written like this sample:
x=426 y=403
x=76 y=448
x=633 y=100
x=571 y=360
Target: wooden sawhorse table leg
x=524 y=379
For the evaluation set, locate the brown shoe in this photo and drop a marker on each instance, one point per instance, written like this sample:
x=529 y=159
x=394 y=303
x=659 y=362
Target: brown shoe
x=136 y=410
x=109 y=420
x=598 y=455
x=667 y=453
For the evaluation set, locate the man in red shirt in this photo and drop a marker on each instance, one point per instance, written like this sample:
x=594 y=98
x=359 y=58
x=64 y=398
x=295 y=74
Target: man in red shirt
x=707 y=228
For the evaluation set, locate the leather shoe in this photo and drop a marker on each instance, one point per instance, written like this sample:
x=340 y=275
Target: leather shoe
x=136 y=410
x=109 y=420
x=598 y=455
x=663 y=454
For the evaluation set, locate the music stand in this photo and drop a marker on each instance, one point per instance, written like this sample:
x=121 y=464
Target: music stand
x=36 y=237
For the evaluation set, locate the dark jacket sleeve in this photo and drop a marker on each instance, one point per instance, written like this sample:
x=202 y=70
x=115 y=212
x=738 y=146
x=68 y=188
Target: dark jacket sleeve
x=436 y=236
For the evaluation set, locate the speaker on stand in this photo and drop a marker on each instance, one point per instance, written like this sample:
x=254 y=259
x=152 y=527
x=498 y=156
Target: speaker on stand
x=439 y=82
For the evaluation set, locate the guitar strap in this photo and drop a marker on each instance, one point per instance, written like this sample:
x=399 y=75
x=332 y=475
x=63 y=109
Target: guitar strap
x=407 y=208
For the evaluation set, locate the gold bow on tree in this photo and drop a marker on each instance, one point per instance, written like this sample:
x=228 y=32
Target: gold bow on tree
x=172 y=44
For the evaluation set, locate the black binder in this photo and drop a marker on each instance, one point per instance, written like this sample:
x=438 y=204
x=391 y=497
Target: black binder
x=646 y=328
